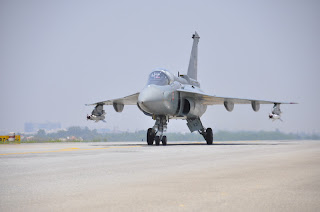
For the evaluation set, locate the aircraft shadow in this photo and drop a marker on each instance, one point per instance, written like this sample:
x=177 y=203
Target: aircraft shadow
x=223 y=144
x=195 y=144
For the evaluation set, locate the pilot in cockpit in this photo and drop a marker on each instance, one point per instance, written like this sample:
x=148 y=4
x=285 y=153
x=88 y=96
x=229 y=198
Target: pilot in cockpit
x=158 y=78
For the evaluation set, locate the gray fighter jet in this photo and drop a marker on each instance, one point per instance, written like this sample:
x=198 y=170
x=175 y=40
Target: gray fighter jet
x=167 y=96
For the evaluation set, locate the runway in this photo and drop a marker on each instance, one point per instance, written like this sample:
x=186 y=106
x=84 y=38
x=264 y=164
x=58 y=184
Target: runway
x=182 y=176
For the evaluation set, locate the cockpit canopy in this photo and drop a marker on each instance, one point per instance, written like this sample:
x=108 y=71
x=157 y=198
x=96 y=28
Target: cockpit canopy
x=159 y=78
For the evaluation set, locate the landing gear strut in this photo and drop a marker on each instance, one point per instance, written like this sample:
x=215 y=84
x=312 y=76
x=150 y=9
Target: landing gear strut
x=156 y=133
x=195 y=124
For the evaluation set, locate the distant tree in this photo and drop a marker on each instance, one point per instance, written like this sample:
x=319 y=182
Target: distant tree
x=92 y=135
x=41 y=133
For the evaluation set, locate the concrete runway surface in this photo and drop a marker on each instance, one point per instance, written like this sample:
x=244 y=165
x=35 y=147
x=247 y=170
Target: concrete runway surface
x=182 y=176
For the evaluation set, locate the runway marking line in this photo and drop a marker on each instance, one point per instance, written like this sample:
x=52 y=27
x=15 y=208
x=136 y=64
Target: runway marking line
x=69 y=150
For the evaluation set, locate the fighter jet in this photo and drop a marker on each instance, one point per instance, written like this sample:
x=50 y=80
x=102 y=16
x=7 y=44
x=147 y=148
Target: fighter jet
x=167 y=96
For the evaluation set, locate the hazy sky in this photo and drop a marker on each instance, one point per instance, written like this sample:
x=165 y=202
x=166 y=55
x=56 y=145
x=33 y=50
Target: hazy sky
x=56 y=56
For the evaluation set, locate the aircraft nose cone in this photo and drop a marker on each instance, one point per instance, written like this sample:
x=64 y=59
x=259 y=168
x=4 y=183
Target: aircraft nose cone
x=150 y=98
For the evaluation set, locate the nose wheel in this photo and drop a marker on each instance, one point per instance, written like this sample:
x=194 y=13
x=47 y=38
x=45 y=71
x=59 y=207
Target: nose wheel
x=152 y=138
x=157 y=140
x=164 y=140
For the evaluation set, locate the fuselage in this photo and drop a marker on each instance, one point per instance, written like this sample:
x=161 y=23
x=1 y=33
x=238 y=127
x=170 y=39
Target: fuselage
x=161 y=96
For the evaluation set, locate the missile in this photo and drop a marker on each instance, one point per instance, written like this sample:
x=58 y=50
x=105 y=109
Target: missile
x=274 y=117
x=98 y=114
x=96 y=118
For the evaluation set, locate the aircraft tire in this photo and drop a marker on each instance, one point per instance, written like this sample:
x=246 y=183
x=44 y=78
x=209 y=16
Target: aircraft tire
x=209 y=136
x=164 y=140
x=150 y=136
x=157 y=139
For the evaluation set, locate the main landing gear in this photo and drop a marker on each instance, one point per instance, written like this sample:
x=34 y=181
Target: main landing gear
x=155 y=134
x=195 y=124
x=207 y=135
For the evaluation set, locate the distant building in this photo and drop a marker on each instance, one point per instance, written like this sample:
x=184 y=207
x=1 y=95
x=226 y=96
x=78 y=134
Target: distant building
x=30 y=127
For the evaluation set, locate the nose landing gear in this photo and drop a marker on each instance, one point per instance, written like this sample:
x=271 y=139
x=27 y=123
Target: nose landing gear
x=155 y=134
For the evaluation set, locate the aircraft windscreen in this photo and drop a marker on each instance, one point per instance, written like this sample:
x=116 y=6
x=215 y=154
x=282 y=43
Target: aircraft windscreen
x=158 y=78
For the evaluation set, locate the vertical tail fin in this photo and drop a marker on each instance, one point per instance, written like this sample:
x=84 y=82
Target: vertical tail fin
x=192 y=69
